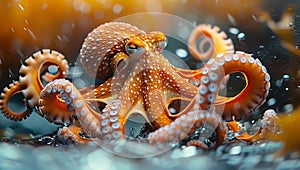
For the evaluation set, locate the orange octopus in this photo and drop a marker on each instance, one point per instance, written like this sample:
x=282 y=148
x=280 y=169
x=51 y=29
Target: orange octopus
x=138 y=79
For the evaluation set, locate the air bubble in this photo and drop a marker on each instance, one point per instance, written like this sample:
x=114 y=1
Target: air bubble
x=44 y=6
x=182 y=53
x=117 y=8
x=288 y=108
x=81 y=6
x=234 y=31
x=53 y=69
x=235 y=150
x=286 y=76
x=271 y=101
x=241 y=36
x=76 y=72
x=278 y=83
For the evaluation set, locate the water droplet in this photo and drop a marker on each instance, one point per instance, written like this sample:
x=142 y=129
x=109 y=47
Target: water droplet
x=44 y=6
x=235 y=150
x=231 y=19
x=81 y=6
x=241 y=36
x=182 y=53
x=234 y=31
x=278 y=83
x=288 y=108
x=254 y=17
x=286 y=76
x=59 y=37
x=53 y=69
x=271 y=101
x=189 y=151
x=10 y=73
x=117 y=8
x=32 y=35
x=76 y=71
x=21 y=7
x=79 y=83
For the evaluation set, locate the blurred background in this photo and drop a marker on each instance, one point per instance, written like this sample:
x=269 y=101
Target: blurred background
x=28 y=26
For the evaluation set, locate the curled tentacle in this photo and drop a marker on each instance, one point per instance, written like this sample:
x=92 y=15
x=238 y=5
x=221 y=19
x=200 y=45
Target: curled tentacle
x=8 y=92
x=257 y=84
x=50 y=96
x=207 y=34
x=186 y=125
x=72 y=134
x=209 y=78
x=105 y=126
x=33 y=68
x=71 y=99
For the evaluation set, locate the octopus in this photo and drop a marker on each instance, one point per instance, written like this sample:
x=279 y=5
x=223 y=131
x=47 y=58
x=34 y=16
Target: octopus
x=138 y=79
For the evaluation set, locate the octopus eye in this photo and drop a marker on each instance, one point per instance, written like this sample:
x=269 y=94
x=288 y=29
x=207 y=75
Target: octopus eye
x=134 y=47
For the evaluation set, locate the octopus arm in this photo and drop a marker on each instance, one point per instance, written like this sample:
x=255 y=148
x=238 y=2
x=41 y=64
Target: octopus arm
x=8 y=92
x=212 y=35
x=72 y=134
x=68 y=100
x=209 y=78
x=254 y=93
x=33 y=68
x=186 y=125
